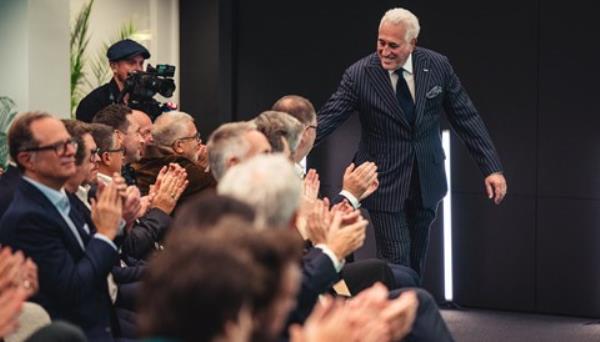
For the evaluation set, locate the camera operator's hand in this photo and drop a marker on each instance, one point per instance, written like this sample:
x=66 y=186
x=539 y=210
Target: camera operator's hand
x=107 y=210
x=170 y=188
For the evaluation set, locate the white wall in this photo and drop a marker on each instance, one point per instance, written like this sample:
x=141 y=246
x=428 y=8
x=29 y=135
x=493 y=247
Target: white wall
x=34 y=58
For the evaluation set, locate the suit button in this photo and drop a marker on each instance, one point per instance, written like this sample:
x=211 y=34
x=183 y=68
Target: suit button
x=107 y=329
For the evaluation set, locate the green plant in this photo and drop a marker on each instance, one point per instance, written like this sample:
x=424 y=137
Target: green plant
x=7 y=114
x=79 y=43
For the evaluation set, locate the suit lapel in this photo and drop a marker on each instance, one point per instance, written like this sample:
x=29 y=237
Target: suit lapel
x=422 y=78
x=35 y=195
x=380 y=79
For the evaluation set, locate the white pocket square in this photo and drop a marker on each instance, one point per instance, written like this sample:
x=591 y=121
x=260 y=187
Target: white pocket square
x=433 y=92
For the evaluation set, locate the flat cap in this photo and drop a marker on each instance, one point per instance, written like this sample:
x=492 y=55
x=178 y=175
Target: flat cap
x=124 y=49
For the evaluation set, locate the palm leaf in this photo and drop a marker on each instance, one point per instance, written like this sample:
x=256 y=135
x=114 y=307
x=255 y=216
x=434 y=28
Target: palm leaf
x=79 y=43
x=7 y=114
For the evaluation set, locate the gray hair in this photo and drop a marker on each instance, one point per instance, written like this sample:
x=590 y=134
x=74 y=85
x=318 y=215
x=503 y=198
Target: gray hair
x=276 y=125
x=169 y=127
x=269 y=184
x=400 y=15
x=227 y=142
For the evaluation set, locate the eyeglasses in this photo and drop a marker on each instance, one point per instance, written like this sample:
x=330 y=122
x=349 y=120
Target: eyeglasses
x=113 y=150
x=312 y=126
x=59 y=148
x=94 y=153
x=196 y=136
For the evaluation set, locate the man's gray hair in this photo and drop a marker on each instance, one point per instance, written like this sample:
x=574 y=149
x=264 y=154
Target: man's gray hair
x=276 y=125
x=169 y=127
x=269 y=184
x=400 y=15
x=227 y=142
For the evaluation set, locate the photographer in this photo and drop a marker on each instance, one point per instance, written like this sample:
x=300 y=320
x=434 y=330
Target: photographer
x=124 y=56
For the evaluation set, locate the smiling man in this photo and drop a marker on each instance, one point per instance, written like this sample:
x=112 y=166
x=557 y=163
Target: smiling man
x=400 y=92
x=124 y=57
x=74 y=256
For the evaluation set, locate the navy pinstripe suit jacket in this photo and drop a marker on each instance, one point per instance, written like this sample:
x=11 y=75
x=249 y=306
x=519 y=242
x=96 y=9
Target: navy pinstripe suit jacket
x=390 y=141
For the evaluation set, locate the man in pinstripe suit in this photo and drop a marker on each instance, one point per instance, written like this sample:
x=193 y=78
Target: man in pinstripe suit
x=400 y=92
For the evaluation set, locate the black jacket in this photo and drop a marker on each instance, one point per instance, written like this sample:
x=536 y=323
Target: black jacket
x=96 y=100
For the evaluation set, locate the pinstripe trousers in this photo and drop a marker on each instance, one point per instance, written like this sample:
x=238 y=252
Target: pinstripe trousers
x=402 y=237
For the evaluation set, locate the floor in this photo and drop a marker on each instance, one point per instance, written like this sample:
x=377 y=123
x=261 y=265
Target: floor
x=471 y=325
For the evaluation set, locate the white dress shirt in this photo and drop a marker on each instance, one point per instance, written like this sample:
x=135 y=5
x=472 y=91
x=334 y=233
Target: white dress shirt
x=409 y=76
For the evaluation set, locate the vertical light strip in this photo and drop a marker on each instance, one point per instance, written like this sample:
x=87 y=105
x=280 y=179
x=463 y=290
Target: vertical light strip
x=448 y=278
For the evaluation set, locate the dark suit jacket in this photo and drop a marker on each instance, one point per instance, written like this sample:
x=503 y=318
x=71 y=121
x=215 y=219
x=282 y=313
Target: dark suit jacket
x=389 y=140
x=148 y=230
x=8 y=184
x=72 y=281
x=318 y=276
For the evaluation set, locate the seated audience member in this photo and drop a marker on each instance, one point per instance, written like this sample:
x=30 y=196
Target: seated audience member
x=110 y=151
x=145 y=123
x=120 y=118
x=358 y=182
x=176 y=140
x=200 y=290
x=127 y=272
x=146 y=229
x=73 y=265
x=87 y=157
x=282 y=130
x=270 y=185
x=233 y=143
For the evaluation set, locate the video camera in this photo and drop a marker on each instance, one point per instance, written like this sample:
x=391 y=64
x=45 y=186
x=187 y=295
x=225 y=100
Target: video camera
x=143 y=85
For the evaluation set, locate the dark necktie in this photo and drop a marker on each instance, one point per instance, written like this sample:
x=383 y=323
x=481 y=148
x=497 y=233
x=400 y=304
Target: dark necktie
x=404 y=97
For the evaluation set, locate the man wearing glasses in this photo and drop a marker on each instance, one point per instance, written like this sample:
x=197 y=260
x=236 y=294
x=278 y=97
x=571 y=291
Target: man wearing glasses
x=120 y=118
x=110 y=152
x=73 y=261
x=176 y=140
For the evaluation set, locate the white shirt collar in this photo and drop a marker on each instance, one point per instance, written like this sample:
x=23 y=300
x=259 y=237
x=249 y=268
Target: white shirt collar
x=408 y=66
x=104 y=178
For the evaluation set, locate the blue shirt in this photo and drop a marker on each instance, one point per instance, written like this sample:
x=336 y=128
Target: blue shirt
x=60 y=201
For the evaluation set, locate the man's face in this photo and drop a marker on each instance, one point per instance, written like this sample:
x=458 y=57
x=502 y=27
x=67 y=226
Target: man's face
x=117 y=158
x=258 y=143
x=306 y=142
x=122 y=68
x=132 y=141
x=392 y=48
x=89 y=167
x=188 y=145
x=53 y=166
x=143 y=120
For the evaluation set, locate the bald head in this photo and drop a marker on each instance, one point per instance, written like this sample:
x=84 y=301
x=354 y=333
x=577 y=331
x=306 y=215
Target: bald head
x=145 y=123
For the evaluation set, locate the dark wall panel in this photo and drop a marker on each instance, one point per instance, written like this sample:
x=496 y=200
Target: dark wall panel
x=567 y=255
x=569 y=162
x=569 y=106
x=494 y=258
